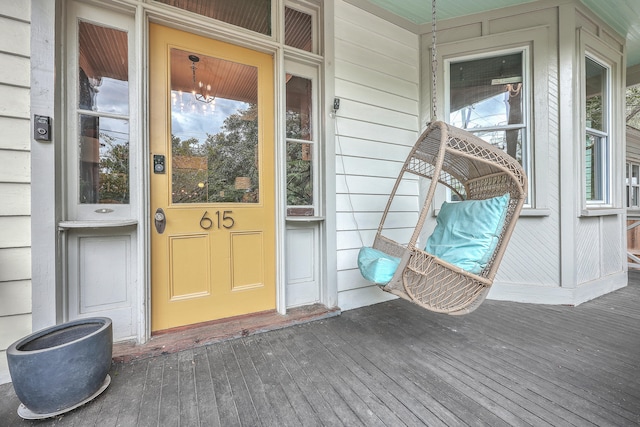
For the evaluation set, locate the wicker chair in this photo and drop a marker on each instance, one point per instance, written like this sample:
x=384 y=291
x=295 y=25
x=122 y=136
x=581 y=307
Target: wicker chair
x=473 y=170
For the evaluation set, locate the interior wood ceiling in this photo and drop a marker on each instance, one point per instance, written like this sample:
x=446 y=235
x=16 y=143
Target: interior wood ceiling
x=103 y=50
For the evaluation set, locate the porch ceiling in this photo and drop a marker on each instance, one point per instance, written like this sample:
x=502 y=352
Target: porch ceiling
x=621 y=15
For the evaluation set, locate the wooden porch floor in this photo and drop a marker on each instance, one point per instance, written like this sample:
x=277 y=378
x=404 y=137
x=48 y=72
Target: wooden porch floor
x=392 y=364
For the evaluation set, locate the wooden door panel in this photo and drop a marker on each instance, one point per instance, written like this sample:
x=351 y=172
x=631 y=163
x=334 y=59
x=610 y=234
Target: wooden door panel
x=216 y=256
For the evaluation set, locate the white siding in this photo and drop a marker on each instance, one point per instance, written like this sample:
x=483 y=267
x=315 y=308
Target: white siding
x=633 y=145
x=556 y=254
x=15 y=238
x=601 y=239
x=377 y=80
x=532 y=258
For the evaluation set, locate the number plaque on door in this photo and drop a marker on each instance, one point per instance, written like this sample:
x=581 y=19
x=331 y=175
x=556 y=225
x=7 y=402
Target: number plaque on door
x=223 y=219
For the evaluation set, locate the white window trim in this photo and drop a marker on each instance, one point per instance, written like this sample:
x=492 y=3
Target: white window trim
x=527 y=162
x=595 y=49
x=631 y=186
x=312 y=73
x=105 y=213
x=605 y=165
x=536 y=40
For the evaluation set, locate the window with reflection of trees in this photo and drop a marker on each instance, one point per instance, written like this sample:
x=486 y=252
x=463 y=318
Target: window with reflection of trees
x=223 y=168
x=300 y=146
x=103 y=115
x=597 y=141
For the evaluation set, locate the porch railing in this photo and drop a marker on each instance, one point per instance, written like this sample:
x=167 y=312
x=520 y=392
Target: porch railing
x=633 y=241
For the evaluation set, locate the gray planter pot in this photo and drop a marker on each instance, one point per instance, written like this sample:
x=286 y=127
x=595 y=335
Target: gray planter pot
x=62 y=367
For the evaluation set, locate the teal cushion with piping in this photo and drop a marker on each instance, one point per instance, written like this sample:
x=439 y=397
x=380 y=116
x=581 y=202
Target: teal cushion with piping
x=376 y=266
x=467 y=232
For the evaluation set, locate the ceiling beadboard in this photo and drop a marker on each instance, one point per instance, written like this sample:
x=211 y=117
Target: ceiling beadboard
x=621 y=15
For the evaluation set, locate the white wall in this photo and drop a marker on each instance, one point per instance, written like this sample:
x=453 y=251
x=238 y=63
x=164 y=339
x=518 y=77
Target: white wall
x=15 y=237
x=377 y=80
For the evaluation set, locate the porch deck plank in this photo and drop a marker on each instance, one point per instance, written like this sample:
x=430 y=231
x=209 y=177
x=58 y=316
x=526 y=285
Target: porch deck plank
x=284 y=395
x=188 y=398
x=592 y=372
x=224 y=398
x=151 y=391
x=207 y=405
x=169 y=409
x=324 y=396
x=313 y=354
x=392 y=364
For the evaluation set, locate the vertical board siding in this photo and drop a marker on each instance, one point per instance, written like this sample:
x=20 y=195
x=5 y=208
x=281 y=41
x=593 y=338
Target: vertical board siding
x=15 y=176
x=377 y=80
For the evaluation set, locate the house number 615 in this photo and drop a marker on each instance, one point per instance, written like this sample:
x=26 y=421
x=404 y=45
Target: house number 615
x=223 y=219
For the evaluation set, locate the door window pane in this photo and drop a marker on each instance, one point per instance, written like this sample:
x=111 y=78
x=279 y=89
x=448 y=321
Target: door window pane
x=254 y=15
x=104 y=160
x=103 y=88
x=214 y=130
x=299 y=153
x=298 y=108
x=103 y=69
x=299 y=174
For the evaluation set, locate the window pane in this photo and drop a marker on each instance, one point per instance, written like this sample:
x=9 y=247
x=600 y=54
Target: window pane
x=298 y=107
x=297 y=29
x=104 y=160
x=595 y=92
x=103 y=69
x=299 y=174
x=486 y=92
x=214 y=130
x=594 y=170
x=254 y=15
x=510 y=141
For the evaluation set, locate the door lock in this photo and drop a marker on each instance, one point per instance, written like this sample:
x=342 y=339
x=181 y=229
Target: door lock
x=160 y=220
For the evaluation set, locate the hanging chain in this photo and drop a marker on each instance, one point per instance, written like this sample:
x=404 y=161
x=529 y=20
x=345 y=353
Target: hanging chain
x=434 y=62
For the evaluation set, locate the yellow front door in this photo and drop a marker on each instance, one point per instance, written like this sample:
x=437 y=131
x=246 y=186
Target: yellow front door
x=212 y=179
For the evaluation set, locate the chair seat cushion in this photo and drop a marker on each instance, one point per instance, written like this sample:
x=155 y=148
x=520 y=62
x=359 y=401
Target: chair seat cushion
x=377 y=266
x=467 y=232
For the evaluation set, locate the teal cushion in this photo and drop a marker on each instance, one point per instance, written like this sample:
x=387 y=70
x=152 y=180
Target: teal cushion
x=467 y=233
x=376 y=266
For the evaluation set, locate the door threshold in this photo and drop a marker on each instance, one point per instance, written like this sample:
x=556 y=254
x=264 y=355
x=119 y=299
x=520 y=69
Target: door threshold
x=202 y=334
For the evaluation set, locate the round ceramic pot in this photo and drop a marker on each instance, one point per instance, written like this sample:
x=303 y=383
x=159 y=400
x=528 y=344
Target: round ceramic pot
x=58 y=368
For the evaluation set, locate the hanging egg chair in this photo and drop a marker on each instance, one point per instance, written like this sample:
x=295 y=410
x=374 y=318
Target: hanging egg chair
x=453 y=272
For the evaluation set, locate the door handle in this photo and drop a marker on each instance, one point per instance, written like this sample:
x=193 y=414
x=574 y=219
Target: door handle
x=160 y=220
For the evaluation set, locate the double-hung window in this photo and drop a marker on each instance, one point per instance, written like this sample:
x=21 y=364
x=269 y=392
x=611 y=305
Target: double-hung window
x=597 y=148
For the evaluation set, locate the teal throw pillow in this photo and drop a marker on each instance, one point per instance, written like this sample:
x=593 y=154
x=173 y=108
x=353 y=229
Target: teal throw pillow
x=376 y=266
x=467 y=232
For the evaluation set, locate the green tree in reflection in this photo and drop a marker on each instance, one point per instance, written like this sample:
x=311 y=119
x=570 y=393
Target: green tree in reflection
x=299 y=178
x=222 y=169
x=114 y=171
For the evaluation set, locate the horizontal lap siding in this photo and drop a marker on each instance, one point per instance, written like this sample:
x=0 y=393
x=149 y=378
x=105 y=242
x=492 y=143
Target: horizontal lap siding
x=377 y=81
x=15 y=176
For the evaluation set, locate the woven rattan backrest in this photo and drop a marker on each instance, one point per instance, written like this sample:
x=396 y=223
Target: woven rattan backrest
x=471 y=168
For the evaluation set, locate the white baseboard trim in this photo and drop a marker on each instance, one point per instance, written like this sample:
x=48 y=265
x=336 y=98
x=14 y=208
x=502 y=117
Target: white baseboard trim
x=557 y=295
